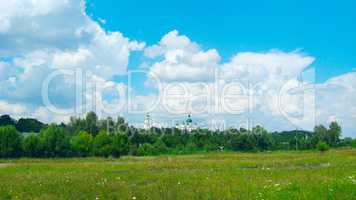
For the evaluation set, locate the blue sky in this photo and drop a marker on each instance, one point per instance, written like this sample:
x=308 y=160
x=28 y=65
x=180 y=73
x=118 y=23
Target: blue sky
x=324 y=29
x=276 y=46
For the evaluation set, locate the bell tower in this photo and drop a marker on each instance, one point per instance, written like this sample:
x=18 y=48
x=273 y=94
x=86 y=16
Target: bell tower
x=147 y=124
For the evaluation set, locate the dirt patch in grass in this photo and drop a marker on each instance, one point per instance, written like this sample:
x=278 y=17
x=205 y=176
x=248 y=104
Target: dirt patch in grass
x=301 y=166
x=3 y=165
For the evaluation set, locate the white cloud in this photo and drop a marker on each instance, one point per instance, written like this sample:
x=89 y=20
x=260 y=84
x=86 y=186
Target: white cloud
x=20 y=8
x=33 y=24
x=38 y=39
x=12 y=109
x=171 y=41
x=282 y=84
x=4 y=24
x=268 y=66
x=336 y=100
x=183 y=60
x=46 y=116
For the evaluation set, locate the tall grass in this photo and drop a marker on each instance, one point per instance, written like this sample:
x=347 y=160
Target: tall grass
x=274 y=175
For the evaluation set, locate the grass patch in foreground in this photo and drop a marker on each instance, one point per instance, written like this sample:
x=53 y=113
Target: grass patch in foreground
x=271 y=175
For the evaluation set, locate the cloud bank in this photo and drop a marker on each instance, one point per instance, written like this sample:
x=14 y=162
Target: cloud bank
x=44 y=38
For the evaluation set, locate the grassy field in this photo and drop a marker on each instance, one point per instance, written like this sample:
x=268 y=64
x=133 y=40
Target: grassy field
x=274 y=175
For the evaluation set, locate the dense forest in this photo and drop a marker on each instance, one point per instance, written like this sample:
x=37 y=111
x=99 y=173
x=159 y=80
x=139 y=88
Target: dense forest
x=90 y=136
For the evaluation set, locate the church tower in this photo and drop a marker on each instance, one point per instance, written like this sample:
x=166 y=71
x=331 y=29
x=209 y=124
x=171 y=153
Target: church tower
x=189 y=124
x=147 y=124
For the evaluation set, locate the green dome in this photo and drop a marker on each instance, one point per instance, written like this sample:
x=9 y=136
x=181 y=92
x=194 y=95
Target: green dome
x=189 y=120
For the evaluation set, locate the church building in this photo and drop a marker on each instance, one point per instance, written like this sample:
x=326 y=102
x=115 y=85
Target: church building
x=188 y=125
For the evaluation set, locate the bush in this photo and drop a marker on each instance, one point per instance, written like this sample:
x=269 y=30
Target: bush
x=103 y=144
x=120 y=145
x=322 y=146
x=82 y=144
x=353 y=145
x=32 y=145
x=191 y=147
x=29 y=125
x=10 y=142
x=6 y=120
x=210 y=147
x=55 y=141
x=133 y=150
x=244 y=142
x=160 y=147
x=146 y=150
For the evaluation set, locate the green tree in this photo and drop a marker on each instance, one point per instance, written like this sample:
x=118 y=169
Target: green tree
x=160 y=146
x=6 y=120
x=146 y=150
x=55 y=141
x=103 y=144
x=82 y=143
x=243 y=142
x=322 y=146
x=120 y=145
x=133 y=150
x=210 y=147
x=121 y=125
x=263 y=139
x=32 y=145
x=334 y=133
x=76 y=125
x=346 y=142
x=353 y=144
x=191 y=147
x=91 y=121
x=107 y=124
x=29 y=125
x=10 y=142
x=320 y=134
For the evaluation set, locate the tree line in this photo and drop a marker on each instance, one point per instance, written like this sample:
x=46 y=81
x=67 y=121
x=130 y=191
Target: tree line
x=90 y=136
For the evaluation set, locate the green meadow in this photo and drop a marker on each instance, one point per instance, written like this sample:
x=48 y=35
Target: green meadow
x=267 y=175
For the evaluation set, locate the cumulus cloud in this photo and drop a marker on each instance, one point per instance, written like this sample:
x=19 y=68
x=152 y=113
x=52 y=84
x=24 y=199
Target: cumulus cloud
x=183 y=60
x=336 y=101
x=272 y=88
x=266 y=66
x=12 y=108
x=37 y=41
x=35 y=24
x=45 y=115
x=276 y=89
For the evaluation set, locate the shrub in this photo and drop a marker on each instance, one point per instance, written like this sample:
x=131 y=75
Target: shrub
x=10 y=142
x=103 y=144
x=55 y=141
x=82 y=143
x=210 y=147
x=146 y=150
x=29 y=125
x=120 y=145
x=160 y=146
x=32 y=145
x=353 y=145
x=322 y=146
x=133 y=150
x=191 y=147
